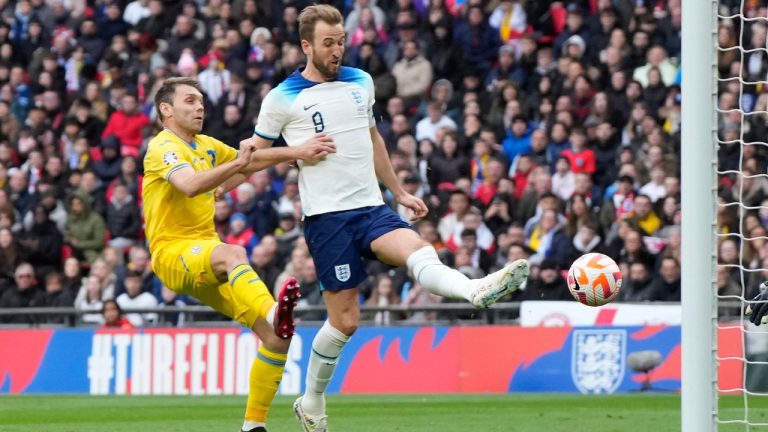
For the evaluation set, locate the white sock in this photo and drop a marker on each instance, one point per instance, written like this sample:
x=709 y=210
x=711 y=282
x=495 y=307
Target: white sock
x=326 y=349
x=271 y=317
x=436 y=277
x=248 y=425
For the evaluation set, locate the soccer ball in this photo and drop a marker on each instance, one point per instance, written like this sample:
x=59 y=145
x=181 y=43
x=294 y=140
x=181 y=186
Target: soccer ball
x=594 y=279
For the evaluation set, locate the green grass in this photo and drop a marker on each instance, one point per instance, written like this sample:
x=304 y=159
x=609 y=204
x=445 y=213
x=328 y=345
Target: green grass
x=401 y=413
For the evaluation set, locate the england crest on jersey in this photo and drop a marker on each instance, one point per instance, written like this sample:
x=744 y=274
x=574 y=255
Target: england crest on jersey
x=342 y=272
x=598 y=360
x=357 y=100
x=357 y=97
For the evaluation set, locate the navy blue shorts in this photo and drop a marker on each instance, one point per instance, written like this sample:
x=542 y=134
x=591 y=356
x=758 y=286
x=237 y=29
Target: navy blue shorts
x=339 y=241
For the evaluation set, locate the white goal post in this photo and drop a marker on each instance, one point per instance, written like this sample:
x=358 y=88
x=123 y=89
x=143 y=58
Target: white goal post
x=699 y=165
x=744 y=79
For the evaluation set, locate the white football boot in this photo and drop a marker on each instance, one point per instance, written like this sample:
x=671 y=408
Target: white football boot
x=310 y=423
x=500 y=283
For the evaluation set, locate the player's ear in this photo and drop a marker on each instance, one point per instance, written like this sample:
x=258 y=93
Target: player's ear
x=166 y=109
x=306 y=47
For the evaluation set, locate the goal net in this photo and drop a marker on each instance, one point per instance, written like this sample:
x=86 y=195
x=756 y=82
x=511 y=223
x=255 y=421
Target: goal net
x=739 y=78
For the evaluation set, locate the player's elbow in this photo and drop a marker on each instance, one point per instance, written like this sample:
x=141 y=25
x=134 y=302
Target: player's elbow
x=186 y=182
x=189 y=189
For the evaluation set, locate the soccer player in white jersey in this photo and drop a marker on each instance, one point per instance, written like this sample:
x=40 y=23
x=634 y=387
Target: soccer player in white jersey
x=345 y=218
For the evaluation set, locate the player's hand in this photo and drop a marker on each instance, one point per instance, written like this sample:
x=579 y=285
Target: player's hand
x=416 y=205
x=316 y=148
x=757 y=308
x=247 y=147
x=219 y=193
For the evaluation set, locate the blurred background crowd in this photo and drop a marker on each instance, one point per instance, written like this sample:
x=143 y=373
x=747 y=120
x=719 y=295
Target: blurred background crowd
x=532 y=129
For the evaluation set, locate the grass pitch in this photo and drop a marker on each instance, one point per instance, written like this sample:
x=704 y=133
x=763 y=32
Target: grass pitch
x=400 y=413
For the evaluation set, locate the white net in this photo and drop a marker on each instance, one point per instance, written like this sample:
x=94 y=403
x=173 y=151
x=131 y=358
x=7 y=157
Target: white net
x=742 y=238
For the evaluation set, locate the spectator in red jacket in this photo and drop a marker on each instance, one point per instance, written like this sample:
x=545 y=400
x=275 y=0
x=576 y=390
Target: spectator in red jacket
x=128 y=125
x=240 y=233
x=486 y=191
x=581 y=158
x=113 y=316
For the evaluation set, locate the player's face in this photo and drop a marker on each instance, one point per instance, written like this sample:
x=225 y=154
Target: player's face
x=187 y=110
x=327 y=49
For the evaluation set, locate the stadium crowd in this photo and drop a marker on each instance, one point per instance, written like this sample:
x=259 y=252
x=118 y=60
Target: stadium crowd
x=536 y=129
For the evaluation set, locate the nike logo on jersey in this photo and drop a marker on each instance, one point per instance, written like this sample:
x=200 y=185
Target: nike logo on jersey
x=306 y=107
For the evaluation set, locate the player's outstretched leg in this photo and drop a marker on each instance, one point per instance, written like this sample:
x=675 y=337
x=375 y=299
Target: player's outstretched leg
x=437 y=278
x=250 y=291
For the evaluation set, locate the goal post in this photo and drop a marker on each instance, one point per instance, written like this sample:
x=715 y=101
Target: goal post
x=698 y=168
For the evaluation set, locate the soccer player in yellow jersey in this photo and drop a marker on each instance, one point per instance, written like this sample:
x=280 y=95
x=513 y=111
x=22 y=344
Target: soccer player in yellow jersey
x=182 y=169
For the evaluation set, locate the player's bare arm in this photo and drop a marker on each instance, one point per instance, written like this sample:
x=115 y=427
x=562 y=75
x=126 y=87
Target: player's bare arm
x=386 y=174
x=313 y=151
x=265 y=156
x=181 y=110
x=193 y=183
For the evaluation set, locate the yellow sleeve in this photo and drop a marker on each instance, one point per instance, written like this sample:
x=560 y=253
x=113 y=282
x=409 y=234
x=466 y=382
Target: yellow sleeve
x=224 y=153
x=164 y=157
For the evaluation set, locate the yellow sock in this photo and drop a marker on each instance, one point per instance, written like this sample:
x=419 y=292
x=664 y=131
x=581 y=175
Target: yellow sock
x=251 y=293
x=266 y=373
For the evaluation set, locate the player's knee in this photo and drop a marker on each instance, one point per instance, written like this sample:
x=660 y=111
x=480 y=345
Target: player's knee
x=415 y=245
x=235 y=256
x=348 y=322
x=348 y=328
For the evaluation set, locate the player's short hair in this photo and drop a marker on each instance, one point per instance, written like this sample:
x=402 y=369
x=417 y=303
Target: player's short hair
x=312 y=14
x=168 y=89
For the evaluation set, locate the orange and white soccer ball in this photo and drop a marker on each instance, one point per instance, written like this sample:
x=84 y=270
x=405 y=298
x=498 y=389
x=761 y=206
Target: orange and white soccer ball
x=594 y=279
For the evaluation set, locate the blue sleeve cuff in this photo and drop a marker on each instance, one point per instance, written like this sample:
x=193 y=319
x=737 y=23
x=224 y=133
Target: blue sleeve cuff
x=265 y=136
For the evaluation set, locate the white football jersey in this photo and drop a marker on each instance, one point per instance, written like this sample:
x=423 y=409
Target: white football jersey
x=298 y=109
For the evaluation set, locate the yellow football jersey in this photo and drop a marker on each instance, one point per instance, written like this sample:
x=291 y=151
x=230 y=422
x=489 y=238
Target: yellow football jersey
x=169 y=214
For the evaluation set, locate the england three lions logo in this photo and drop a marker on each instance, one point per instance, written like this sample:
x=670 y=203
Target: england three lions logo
x=342 y=272
x=357 y=97
x=598 y=360
x=358 y=101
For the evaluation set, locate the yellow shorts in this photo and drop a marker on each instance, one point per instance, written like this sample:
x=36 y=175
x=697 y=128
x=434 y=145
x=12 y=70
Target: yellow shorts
x=184 y=266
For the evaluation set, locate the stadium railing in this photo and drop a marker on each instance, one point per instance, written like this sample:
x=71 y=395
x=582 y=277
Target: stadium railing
x=204 y=316
x=307 y=315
